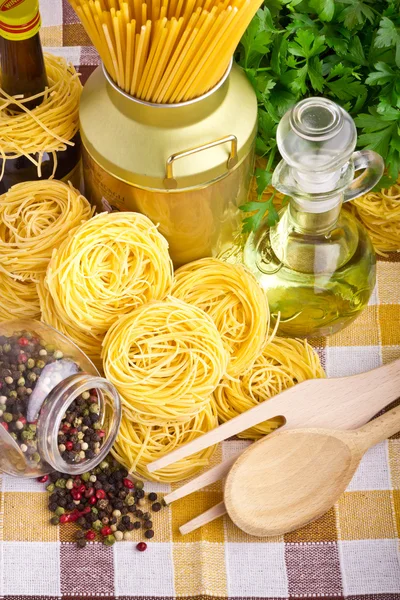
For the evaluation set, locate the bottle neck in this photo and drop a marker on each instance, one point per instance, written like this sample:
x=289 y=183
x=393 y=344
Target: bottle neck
x=23 y=72
x=307 y=221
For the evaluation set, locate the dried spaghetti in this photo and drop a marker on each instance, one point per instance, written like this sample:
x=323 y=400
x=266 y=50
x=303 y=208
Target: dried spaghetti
x=111 y=265
x=166 y=51
x=235 y=302
x=165 y=359
x=380 y=213
x=137 y=445
x=35 y=216
x=282 y=364
x=50 y=126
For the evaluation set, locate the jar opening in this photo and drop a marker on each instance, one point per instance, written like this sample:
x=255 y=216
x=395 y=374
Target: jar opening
x=81 y=446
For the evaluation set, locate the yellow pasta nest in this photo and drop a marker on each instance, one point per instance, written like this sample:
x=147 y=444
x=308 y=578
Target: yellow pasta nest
x=137 y=445
x=282 y=364
x=380 y=213
x=165 y=359
x=50 y=126
x=231 y=296
x=89 y=344
x=35 y=216
x=110 y=266
x=18 y=299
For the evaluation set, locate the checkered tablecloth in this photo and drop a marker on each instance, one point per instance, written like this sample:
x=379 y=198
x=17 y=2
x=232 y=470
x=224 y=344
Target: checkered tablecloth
x=352 y=552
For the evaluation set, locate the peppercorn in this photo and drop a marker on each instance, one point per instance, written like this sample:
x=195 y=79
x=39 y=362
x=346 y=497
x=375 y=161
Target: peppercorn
x=53 y=506
x=139 y=494
x=141 y=546
x=136 y=525
x=54 y=520
x=152 y=496
x=139 y=485
x=81 y=543
x=59 y=511
x=148 y=524
x=149 y=534
x=156 y=507
x=109 y=540
x=146 y=516
x=79 y=534
x=139 y=513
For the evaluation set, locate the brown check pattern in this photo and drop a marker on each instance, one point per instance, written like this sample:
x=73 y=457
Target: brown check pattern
x=352 y=552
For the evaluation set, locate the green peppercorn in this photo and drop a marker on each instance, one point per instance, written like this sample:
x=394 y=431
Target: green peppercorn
x=94 y=510
x=97 y=525
x=104 y=465
x=6 y=348
x=13 y=394
x=54 y=520
x=129 y=500
x=32 y=376
x=40 y=364
x=84 y=476
x=36 y=457
x=109 y=540
x=61 y=483
x=30 y=363
x=26 y=435
x=51 y=487
x=7 y=417
x=59 y=511
x=58 y=354
x=139 y=485
x=95 y=409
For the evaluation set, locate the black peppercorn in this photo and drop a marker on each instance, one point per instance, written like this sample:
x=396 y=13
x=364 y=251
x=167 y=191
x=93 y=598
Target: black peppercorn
x=149 y=534
x=53 y=506
x=152 y=496
x=81 y=543
x=156 y=507
x=148 y=524
x=139 y=513
x=136 y=525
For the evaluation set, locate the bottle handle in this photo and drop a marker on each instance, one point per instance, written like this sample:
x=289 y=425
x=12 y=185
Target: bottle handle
x=373 y=166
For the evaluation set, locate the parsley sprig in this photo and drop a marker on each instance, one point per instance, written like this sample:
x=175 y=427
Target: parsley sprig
x=346 y=50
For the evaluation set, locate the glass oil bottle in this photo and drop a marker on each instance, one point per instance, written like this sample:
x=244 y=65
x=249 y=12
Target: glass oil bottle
x=317 y=264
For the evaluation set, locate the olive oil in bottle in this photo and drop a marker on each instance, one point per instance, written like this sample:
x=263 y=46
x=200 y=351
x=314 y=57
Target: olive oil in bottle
x=317 y=264
x=23 y=74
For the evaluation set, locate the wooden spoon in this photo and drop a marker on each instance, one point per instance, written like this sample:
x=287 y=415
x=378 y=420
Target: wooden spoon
x=292 y=477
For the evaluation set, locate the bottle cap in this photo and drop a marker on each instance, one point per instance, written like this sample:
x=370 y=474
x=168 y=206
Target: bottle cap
x=19 y=19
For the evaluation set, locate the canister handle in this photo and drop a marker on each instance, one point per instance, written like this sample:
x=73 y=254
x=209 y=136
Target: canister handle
x=170 y=182
x=372 y=165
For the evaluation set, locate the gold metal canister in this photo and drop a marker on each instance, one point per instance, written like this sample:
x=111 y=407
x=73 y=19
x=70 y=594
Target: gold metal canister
x=186 y=166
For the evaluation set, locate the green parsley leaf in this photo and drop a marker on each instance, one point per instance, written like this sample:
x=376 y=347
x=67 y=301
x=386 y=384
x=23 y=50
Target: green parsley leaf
x=356 y=13
x=306 y=44
x=325 y=9
x=388 y=36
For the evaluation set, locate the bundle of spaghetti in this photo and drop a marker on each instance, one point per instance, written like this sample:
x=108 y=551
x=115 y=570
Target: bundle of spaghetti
x=50 y=126
x=282 y=364
x=35 y=216
x=111 y=264
x=165 y=358
x=137 y=445
x=380 y=213
x=231 y=296
x=89 y=343
x=166 y=51
x=18 y=299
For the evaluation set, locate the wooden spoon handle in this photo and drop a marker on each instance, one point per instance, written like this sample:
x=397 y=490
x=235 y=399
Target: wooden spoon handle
x=378 y=429
x=206 y=517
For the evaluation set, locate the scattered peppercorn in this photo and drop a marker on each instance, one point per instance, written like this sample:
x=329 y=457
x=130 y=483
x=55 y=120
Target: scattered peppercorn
x=149 y=534
x=152 y=496
x=141 y=546
x=156 y=507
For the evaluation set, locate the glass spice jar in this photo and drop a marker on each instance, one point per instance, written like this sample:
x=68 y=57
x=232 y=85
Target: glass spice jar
x=56 y=412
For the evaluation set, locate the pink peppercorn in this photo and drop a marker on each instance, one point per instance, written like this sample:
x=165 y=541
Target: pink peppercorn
x=76 y=495
x=65 y=518
x=128 y=483
x=5 y=425
x=81 y=488
x=100 y=494
x=43 y=479
x=141 y=546
x=69 y=446
x=22 y=358
x=86 y=510
x=23 y=341
x=90 y=535
x=92 y=500
x=89 y=492
x=106 y=531
x=101 y=433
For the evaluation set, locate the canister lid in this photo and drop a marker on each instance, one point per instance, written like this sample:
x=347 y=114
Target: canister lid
x=169 y=147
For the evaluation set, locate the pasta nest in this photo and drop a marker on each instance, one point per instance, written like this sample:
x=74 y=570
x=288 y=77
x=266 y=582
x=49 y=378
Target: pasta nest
x=137 y=445
x=50 y=126
x=282 y=364
x=165 y=359
x=380 y=214
x=18 y=299
x=110 y=265
x=233 y=299
x=34 y=217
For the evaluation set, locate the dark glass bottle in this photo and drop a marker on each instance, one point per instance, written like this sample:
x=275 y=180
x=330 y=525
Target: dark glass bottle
x=23 y=73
